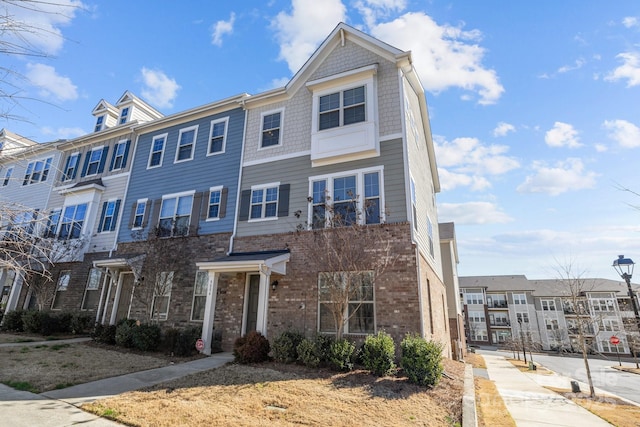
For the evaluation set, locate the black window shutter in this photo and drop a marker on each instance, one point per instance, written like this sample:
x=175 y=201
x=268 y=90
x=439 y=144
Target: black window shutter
x=245 y=202
x=75 y=170
x=116 y=211
x=66 y=166
x=223 y=203
x=204 y=211
x=132 y=218
x=86 y=164
x=113 y=159
x=194 y=221
x=104 y=209
x=155 y=217
x=147 y=211
x=103 y=159
x=126 y=154
x=283 y=200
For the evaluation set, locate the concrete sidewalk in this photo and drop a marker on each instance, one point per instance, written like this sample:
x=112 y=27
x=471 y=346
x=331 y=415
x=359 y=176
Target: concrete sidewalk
x=56 y=408
x=530 y=404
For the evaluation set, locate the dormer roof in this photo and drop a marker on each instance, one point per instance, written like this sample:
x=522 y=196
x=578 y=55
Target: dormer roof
x=128 y=98
x=104 y=107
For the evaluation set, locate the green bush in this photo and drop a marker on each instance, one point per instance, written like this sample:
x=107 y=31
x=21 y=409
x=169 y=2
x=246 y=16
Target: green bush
x=124 y=333
x=146 y=337
x=378 y=354
x=186 y=341
x=105 y=334
x=342 y=355
x=81 y=323
x=284 y=347
x=251 y=348
x=421 y=360
x=169 y=340
x=35 y=322
x=13 y=321
x=308 y=353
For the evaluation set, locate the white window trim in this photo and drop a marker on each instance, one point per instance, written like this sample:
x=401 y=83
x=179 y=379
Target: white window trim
x=280 y=139
x=359 y=173
x=115 y=218
x=218 y=188
x=7 y=176
x=264 y=187
x=193 y=128
x=86 y=288
x=164 y=148
x=176 y=196
x=122 y=142
x=66 y=273
x=43 y=160
x=193 y=300
x=146 y=206
x=224 y=137
x=100 y=124
x=162 y=316
x=89 y=153
x=64 y=172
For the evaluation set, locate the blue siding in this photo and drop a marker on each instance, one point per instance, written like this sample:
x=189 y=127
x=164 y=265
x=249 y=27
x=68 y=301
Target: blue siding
x=199 y=174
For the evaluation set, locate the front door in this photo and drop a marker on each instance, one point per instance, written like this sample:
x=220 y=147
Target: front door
x=252 y=302
x=125 y=295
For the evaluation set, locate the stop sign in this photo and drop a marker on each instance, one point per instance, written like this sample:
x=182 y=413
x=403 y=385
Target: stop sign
x=614 y=340
x=199 y=345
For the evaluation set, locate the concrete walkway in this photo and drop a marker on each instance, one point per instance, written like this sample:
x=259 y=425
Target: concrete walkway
x=530 y=404
x=57 y=408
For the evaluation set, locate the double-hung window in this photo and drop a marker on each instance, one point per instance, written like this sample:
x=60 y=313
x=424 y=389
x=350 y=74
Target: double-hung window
x=214 y=203
x=264 y=202
x=71 y=167
x=430 y=236
x=186 y=144
x=52 y=223
x=7 y=176
x=72 y=221
x=522 y=317
x=519 y=299
x=61 y=287
x=157 y=150
x=217 y=136
x=119 y=159
x=271 y=129
x=162 y=295
x=99 y=124
x=37 y=171
x=93 y=162
x=139 y=213
x=124 y=115
x=109 y=216
x=548 y=305
x=344 y=200
x=342 y=108
x=199 y=296
x=175 y=216
x=355 y=287
x=91 y=292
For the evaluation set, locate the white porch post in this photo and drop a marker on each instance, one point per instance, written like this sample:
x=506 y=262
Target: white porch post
x=209 y=311
x=116 y=300
x=14 y=294
x=263 y=301
x=105 y=284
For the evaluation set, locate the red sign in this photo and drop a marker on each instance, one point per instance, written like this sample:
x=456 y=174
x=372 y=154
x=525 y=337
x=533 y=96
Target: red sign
x=614 y=340
x=199 y=345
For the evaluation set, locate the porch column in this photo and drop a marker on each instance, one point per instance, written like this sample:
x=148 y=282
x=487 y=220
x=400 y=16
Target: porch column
x=14 y=294
x=263 y=301
x=209 y=311
x=105 y=284
x=116 y=300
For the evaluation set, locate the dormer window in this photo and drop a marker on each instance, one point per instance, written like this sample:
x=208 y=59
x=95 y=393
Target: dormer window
x=99 y=124
x=124 y=115
x=342 y=108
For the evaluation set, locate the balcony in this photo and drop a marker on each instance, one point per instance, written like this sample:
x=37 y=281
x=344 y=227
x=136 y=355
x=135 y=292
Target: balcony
x=500 y=323
x=498 y=304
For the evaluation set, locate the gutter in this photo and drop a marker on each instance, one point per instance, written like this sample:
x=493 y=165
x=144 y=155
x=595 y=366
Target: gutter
x=241 y=167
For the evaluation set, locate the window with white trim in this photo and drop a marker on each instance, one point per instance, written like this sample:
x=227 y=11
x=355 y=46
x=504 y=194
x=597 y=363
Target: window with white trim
x=264 y=201
x=119 y=159
x=603 y=304
x=37 y=171
x=548 y=305
x=474 y=298
x=607 y=347
x=551 y=324
x=479 y=334
x=342 y=108
x=92 y=290
x=157 y=151
x=199 y=296
x=52 y=223
x=175 y=216
x=271 y=134
x=124 y=115
x=477 y=317
x=7 y=176
x=138 y=216
x=72 y=222
x=519 y=299
x=109 y=216
x=218 y=136
x=360 y=309
x=71 y=167
x=430 y=237
x=99 y=124
x=355 y=196
x=522 y=317
x=95 y=158
x=61 y=286
x=610 y=325
x=186 y=144
x=162 y=295
x=213 y=204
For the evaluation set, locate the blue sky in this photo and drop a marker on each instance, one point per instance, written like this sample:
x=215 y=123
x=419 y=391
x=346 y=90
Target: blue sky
x=534 y=105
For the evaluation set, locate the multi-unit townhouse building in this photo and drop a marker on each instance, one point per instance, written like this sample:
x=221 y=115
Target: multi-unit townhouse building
x=208 y=216
x=548 y=314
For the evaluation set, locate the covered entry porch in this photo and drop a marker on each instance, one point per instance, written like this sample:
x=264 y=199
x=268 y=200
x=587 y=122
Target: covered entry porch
x=119 y=278
x=259 y=268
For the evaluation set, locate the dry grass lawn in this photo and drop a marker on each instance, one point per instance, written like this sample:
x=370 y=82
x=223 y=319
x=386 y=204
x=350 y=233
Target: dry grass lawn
x=286 y=395
x=490 y=407
x=55 y=365
x=524 y=367
x=627 y=369
x=614 y=411
x=15 y=338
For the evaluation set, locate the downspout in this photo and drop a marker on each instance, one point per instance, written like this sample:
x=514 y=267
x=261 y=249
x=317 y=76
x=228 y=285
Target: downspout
x=241 y=167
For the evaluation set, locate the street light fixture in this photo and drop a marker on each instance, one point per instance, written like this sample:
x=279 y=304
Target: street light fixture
x=624 y=267
x=524 y=350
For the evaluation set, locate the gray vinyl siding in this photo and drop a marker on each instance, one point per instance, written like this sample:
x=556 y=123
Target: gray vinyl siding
x=296 y=172
x=115 y=189
x=198 y=174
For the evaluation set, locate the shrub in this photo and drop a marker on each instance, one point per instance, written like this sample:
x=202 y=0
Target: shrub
x=146 y=337
x=63 y=323
x=378 y=354
x=169 y=340
x=185 y=344
x=421 y=360
x=105 y=334
x=81 y=323
x=124 y=333
x=308 y=353
x=13 y=321
x=32 y=321
x=251 y=348
x=324 y=343
x=284 y=347
x=342 y=354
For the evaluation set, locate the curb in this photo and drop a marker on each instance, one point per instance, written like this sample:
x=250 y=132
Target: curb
x=469 y=415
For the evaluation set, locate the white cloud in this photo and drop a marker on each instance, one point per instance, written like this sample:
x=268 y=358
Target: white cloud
x=623 y=132
x=630 y=21
x=300 y=32
x=445 y=56
x=450 y=180
x=564 y=176
x=472 y=213
x=51 y=83
x=576 y=66
x=221 y=28
x=629 y=70
x=39 y=23
x=63 y=133
x=159 y=89
x=373 y=10
x=469 y=155
x=601 y=148
x=503 y=129
x=562 y=135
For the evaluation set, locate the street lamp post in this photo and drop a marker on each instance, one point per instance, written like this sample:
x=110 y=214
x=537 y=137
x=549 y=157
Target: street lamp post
x=624 y=267
x=524 y=350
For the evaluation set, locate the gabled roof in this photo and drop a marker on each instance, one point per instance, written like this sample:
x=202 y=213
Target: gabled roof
x=102 y=107
x=129 y=98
